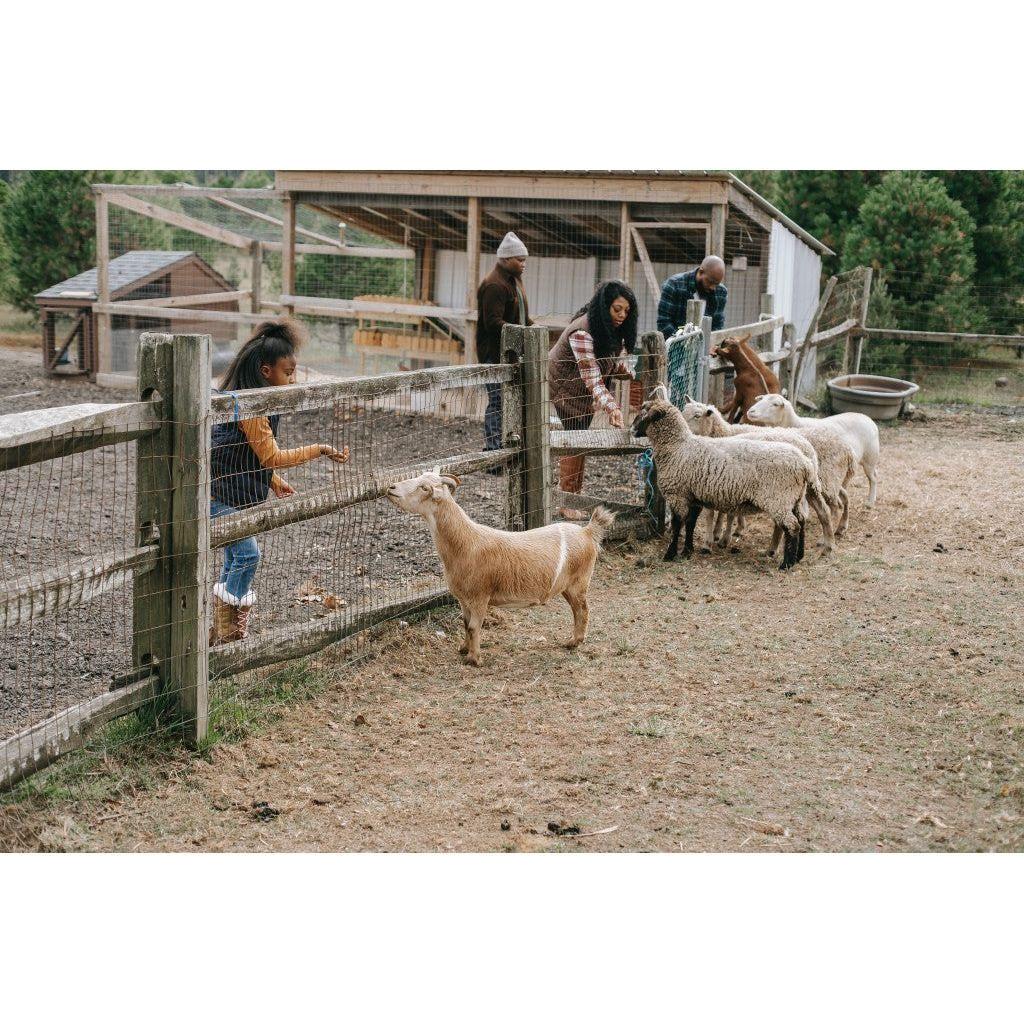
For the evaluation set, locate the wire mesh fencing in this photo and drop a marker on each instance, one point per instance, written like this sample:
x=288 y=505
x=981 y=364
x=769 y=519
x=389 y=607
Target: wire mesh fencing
x=153 y=568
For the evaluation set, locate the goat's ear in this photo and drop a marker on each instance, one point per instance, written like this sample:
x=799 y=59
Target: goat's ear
x=742 y=338
x=659 y=392
x=451 y=482
x=687 y=400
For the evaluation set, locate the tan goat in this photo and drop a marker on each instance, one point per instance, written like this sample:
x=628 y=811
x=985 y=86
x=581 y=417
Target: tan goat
x=486 y=568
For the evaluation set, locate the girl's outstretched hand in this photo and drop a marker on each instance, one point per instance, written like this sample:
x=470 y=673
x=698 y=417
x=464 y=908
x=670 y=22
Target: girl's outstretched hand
x=615 y=416
x=333 y=454
x=282 y=489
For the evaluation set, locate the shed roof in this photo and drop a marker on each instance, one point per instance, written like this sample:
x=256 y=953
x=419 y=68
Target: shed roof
x=698 y=187
x=125 y=270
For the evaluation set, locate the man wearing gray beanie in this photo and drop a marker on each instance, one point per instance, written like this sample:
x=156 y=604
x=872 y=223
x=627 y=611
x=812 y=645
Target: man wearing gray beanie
x=500 y=300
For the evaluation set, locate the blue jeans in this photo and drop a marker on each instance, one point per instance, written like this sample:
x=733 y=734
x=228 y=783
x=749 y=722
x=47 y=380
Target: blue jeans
x=492 y=418
x=240 y=558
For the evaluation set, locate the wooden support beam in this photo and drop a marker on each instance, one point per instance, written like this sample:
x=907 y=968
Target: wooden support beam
x=716 y=242
x=178 y=220
x=35 y=748
x=750 y=210
x=71 y=585
x=256 y=277
x=288 y=254
x=652 y=370
x=645 y=262
x=298 y=641
x=357 y=307
x=124 y=308
x=314 y=504
x=427 y=272
x=625 y=244
x=175 y=301
x=53 y=356
x=105 y=354
x=333 y=243
x=362 y=251
x=294 y=397
x=28 y=438
x=472 y=272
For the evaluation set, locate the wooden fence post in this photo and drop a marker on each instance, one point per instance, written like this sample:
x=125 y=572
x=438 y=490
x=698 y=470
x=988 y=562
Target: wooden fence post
x=188 y=670
x=536 y=452
x=862 y=318
x=171 y=604
x=151 y=592
x=512 y=427
x=652 y=370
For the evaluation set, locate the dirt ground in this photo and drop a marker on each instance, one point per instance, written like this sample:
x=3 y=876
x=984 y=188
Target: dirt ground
x=869 y=701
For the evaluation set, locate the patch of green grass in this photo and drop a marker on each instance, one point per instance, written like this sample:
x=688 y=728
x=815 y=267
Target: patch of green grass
x=134 y=752
x=654 y=727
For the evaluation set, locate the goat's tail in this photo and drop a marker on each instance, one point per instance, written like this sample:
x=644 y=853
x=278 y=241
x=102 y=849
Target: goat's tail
x=600 y=522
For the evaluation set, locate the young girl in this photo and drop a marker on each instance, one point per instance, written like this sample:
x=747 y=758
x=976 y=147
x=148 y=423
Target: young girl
x=244 y=458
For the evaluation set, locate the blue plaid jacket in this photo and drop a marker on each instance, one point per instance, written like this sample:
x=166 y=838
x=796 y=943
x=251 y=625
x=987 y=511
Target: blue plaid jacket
x=674 y=295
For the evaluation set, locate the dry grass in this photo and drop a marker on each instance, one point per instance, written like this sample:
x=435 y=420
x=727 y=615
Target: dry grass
x=871 y=701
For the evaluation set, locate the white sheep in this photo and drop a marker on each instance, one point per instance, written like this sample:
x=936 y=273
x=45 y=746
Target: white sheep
x=831 y=454
x=729 y=474
x=484 y=567
x=860 y=431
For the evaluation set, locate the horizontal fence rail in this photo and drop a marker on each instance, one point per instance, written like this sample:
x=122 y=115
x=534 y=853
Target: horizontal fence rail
x=294 y=397
x=72 y=585
x=56 y=433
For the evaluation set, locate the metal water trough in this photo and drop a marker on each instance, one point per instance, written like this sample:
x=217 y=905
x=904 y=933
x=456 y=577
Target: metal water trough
x=881 y=398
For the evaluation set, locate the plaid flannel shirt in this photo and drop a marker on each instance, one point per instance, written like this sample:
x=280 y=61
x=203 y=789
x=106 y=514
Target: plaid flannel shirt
x=675 y=293
x=582 y=345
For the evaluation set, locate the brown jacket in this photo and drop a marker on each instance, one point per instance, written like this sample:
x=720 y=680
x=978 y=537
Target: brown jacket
x=497 y=301
x=572 y=400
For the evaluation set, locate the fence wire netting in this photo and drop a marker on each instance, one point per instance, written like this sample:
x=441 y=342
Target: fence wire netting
x=383 y=284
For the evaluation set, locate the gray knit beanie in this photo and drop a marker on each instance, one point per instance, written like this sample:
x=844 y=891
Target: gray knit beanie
x=511 y=245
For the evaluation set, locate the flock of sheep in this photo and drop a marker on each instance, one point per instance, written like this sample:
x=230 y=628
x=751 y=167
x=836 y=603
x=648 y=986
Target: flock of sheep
x=779 y=463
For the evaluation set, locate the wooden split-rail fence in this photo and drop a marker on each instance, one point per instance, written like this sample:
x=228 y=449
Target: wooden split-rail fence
x=168 y=563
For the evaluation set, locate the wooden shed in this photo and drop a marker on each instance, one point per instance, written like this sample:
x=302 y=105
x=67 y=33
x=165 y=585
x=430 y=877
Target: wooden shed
x=158 y=279
x=580 y=227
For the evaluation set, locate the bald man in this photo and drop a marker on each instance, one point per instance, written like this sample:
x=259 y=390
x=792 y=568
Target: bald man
x=703 y=283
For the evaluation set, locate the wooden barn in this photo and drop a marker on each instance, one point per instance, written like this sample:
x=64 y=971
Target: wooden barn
x=157 y=279
x=580 y=227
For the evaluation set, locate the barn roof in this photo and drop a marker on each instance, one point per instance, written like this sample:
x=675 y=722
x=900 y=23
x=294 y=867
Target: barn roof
x=125 y=270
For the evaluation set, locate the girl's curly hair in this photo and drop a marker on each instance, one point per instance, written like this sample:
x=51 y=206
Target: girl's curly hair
x=272 y=340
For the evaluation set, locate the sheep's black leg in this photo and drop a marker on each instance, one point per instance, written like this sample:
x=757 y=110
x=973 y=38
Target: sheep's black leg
x=800 y=549
x=692 y=515
x=789 y=554
x=673 y=548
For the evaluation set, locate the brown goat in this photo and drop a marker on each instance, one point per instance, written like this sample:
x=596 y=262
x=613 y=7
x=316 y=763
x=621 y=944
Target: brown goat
x=753 y=378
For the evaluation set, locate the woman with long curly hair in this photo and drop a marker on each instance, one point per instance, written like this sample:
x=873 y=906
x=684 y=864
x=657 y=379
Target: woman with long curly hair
x=581 y=363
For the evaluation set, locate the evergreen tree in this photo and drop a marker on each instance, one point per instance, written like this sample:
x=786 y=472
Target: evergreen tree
x=49 y=228
x=912 y=231
x=825 y=203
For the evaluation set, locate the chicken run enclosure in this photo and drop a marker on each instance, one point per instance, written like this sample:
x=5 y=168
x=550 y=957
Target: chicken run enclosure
x=104 y=603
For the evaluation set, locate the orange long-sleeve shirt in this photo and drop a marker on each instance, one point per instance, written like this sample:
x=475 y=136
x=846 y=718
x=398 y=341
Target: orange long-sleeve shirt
x=261 y=438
